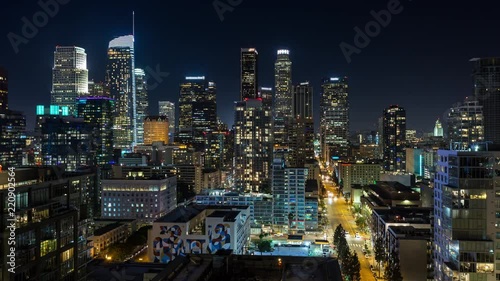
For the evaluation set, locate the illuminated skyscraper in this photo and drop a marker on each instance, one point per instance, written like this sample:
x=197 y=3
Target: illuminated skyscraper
x=252 y=145
x=438 y=129
x=12 y=128
x=98 y=113
x=142 y=104
x=465 y=124
x=167 y=108
x=249 y=74
x=334 y=118
x=197 y=111
x=486 y=77
x=4 y=89
x=121 y=83
x=156 y=129
x=301 y=132
x=69 y=76
x=394 y=135
x=283 y=98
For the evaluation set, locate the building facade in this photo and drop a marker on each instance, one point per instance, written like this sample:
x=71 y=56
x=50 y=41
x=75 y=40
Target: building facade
x=12 y=138
x=334 y=118
x=156 y=129
x=486 y=78
x=120 y=79
x=4 y=89
x=289 y=202
x=466 y=215
x=138 y=197
x=301 y=132
x=252 y=145
x=249 y=74
x=167 y=108
x=98 y=113
x=465 y=124
x=199 y=229
x=142 y=104
x=283 y=99
x=69 y=77
x=394 y=138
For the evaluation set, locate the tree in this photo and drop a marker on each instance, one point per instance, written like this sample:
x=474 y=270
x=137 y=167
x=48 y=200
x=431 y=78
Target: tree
x=361 y=223
x=264 y=246
x=379 y=252
x=392 y=269
x=356 y=267
x=339 y=231
x=119 y=251
x=343 y=249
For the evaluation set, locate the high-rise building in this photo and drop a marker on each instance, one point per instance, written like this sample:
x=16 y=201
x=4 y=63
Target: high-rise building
x=283 y=99
x=12 y=139
x=69 y=76
x=438 y=129
x=466 y=212
x=98 y=113
x=465 y=122
x=98 y=89
x=252 y=145
x=249 y=74
x=4 y=89
x=156 y=129
x=167 y=108
x=51 y=242
x=197 y=111
x=120 y=79
x=289 y=204
x=486 y=77
x=334 y=118
x=301 y=132
x=394 y=135
x=142 y=104
x=66 y=140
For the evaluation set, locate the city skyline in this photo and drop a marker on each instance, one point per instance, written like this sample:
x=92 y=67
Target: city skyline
x=377 y=71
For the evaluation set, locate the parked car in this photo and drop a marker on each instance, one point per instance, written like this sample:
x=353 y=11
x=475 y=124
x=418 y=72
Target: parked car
x=357 y=235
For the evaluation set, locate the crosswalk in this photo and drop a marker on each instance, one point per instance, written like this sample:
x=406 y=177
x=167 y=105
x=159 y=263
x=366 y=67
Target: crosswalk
x=354 y=245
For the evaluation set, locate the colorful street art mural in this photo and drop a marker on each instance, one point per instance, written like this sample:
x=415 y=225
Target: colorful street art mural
x=170 y=246
x=169 y=243
x=218 y=238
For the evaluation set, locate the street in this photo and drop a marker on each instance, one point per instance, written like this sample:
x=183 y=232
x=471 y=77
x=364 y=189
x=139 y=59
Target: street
x=339 y=213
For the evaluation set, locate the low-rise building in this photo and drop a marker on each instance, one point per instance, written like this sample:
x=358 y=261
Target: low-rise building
x=138 y=197
x=357 y=174
x=199 y=229
x=391 y=194
x=108 y=235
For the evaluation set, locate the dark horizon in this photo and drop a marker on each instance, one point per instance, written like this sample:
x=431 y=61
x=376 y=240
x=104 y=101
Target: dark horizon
x=420 y=60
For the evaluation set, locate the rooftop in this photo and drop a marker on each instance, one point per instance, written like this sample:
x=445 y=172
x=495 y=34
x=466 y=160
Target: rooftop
x=105 y=229
x=185 y=213
x=226 y=215
x=418 y=215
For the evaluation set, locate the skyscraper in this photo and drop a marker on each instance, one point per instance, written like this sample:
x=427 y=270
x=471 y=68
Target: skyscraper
x=249 y=74
x=4 y=90
x=486 y=77
x=12 y=128
x=69 y=76
x=438 y=129
x=142 y=104
x=167 y=108
x=98 y=113
x=98 y=89
x=283 y=98
x=394 y=135
x=197 y=110
x=301 y=132
x=121 y=83
x=155 y=129
x=465 y=124
x=466 y=215
x=334 y=118
x=252 y=145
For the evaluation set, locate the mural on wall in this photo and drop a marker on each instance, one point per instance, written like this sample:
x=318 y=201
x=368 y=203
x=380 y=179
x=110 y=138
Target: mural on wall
x=167 y=248
x=218 y=238
x=195 y=245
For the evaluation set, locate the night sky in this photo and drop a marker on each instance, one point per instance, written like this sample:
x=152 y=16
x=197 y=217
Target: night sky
x=419 y=61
